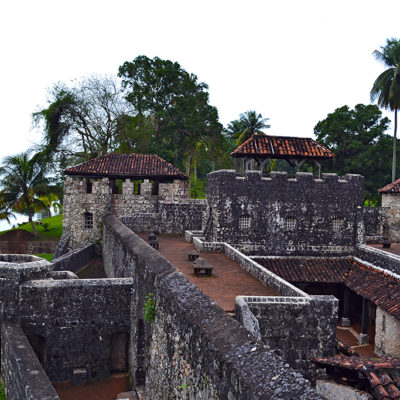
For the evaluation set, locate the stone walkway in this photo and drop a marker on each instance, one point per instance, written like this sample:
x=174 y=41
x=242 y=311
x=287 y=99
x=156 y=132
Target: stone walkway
x=228 y=281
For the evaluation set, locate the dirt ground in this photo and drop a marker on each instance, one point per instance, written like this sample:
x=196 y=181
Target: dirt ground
x=103 y=389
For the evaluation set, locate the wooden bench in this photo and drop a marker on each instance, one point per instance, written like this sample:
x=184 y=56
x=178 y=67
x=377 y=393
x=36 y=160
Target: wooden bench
x=193 y=255
x=202 y=267
x=153 y=243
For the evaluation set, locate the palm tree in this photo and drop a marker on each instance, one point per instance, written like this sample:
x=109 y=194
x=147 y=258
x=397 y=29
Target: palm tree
x=247 y=125
x=23 y=180
x=386 y=88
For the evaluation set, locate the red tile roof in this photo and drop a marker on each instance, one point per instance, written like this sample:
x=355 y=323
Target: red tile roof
x=137 y=166
x=326 y=270
x=382 y=374
x=375 y=284
x=393 y=187
x=282 y=147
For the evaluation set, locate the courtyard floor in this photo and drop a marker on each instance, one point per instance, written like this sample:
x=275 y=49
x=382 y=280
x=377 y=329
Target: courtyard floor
x=229 y=279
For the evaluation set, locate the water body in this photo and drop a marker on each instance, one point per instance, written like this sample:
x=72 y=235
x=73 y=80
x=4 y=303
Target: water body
x=20 y=218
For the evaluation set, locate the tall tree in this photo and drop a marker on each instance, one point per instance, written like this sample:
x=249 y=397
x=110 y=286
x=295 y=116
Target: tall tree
x=177 y=103
x=386 y=88
x=358 y=139
x=247 y=125
x=83 y=119
x=23 y=181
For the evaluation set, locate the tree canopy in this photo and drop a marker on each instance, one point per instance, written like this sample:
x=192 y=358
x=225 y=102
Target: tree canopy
x=386 y=88
x=247 y=125
x=361 y=146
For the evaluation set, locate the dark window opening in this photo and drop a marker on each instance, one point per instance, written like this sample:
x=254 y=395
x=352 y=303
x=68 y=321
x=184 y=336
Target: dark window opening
x=89 y=186
x=136 y=188
x=119 y=352
x=140 y=373
x=154 y=188
x=88 y=220
x=38 y=344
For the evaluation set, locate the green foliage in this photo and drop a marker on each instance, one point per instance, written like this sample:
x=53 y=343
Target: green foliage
x=2 y=392
x=358 y=139
x=386 y=88
x=149 y=308
x=23 y=180
x=46 y=227
x=46 y=256
x=173 y=113
x=197 y=188
x=247 y=125
x=54 y=232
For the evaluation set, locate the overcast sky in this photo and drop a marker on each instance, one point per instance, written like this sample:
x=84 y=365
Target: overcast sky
x=293 y=61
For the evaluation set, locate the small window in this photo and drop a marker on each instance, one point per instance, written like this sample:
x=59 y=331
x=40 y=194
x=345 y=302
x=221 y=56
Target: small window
x=88 y=221
x=244 y=222
x=89 y=186
x=290 y=224
x=337 y=225
x=154 y=188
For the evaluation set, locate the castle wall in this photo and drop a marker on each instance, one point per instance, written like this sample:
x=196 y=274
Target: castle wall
x=22 y=374
x=77 y=320
x=283 y=326
x=193 y=348
x=391 y=201
x=387 y=334
x=379 y=258
x=284 y=216
x=373 y=220
x=168 y=210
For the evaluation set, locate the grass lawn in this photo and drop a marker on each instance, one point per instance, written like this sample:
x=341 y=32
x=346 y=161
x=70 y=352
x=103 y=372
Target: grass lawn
x=54 y=228
x=46 y=256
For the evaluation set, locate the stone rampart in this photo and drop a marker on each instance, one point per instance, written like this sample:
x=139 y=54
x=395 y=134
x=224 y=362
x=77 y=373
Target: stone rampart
x=373 y=220
x=379 y=257
x=75 y=259
x=22 y=374
x=193 y=348
x=279 y=215
x=297 y=328
x=75 y=321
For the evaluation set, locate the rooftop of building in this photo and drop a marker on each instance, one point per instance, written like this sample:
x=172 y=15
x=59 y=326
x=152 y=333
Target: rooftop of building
x=377 y=285
x=128 y=166
x=393 y=187
x=285 y=147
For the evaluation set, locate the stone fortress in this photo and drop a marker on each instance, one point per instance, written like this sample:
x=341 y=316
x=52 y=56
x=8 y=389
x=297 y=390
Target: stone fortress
x=303 y=235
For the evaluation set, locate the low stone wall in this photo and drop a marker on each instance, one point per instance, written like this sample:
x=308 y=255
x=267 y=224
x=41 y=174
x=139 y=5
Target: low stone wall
x=373 y=220
x=75 y=259
x=379 y=258
x=193 y=349
x=23 y=376
x=387 y=334
x=76 y=321
x=334 y=391
x=171 y=217
x=297 y=328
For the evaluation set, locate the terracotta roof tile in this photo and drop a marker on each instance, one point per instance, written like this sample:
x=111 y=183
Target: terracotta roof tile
x=378 y=286
x=393 y=187
x=381 y=373
x=128 y=166
x=282 y=147
x=326 y=270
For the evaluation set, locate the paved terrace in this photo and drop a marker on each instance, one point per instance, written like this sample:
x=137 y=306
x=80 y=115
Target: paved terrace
x=228 y=281
x=394 y=248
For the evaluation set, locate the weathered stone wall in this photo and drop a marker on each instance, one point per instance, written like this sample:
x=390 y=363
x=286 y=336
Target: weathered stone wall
x=171 y=217
x=75 y=259
x=379 y=257
x=297 y=328
x=22 y=374
x=391 y=205
x=77 y=202
x=77 y=320
x=168 y=211
x=334 y=391
x=387 y=334
x=193 y=349
x=282 y=216
x=373 y=220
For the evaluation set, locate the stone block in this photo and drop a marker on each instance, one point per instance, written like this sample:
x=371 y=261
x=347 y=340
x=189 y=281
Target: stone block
x=79 y=376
